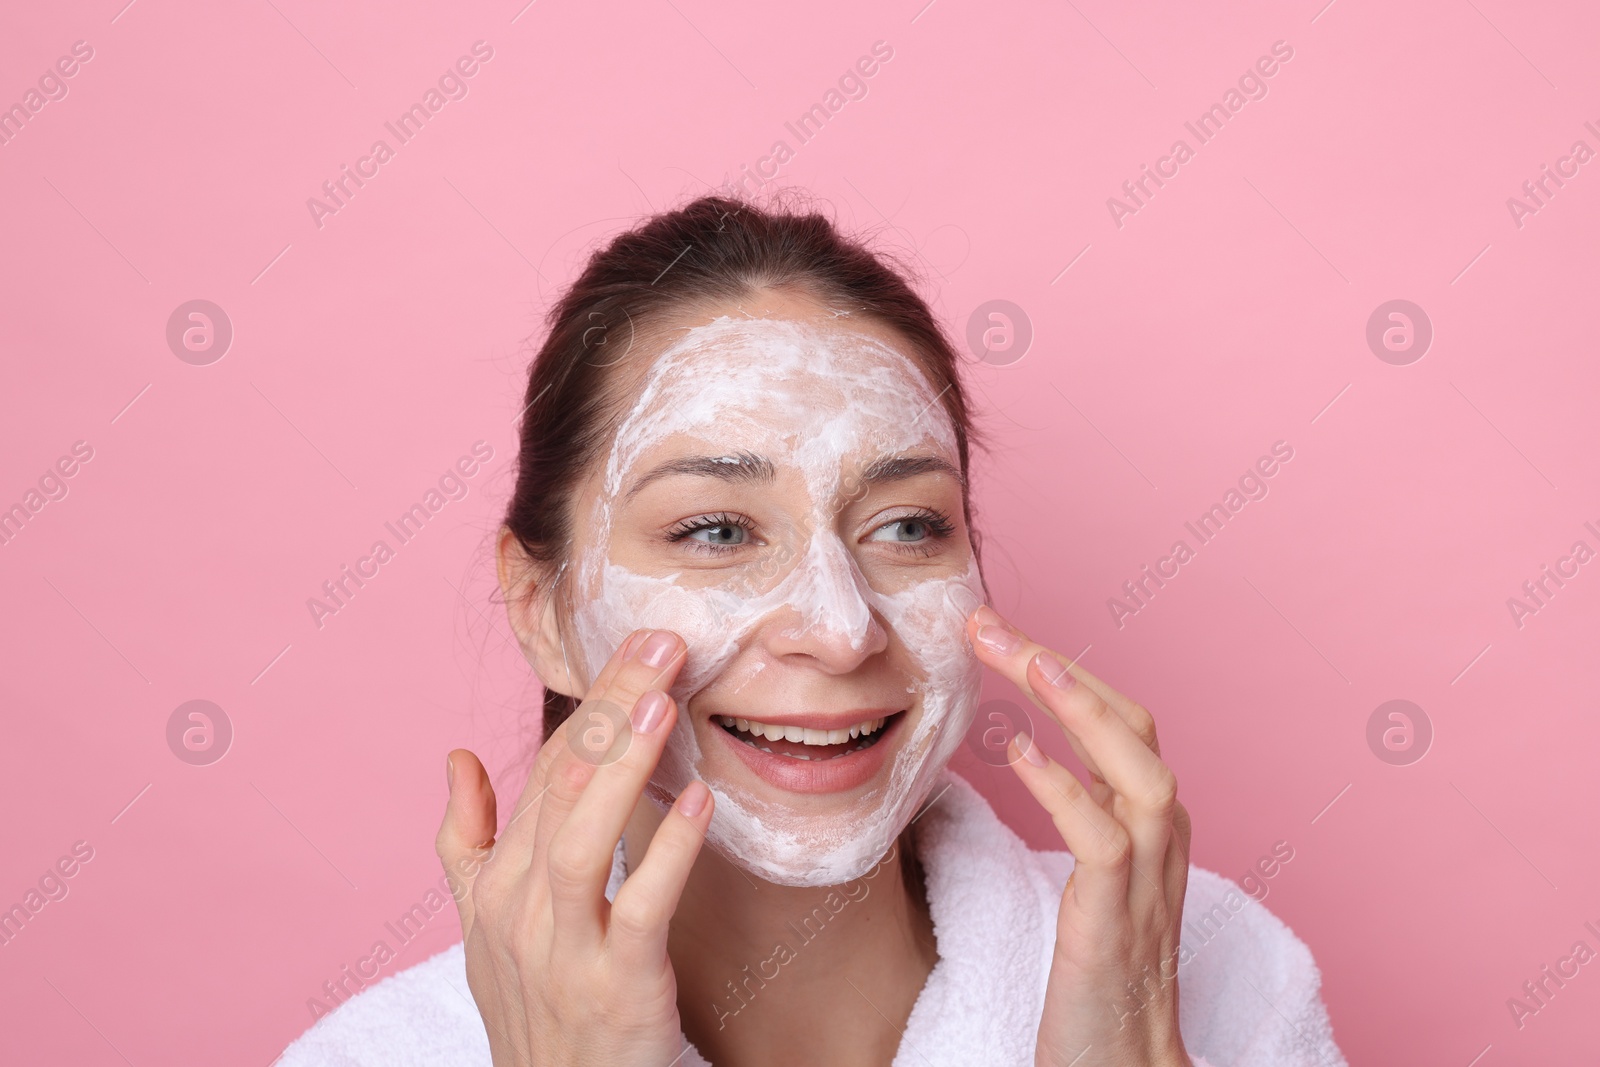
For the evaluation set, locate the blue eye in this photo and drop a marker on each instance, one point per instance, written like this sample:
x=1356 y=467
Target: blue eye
x=720 y=534
x=916 y=529
x=919 y=530
x=724 y=532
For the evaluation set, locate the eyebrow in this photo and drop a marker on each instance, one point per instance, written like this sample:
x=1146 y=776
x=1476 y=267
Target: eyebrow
x=741 y=467
x=750 y=468
x=898 y=468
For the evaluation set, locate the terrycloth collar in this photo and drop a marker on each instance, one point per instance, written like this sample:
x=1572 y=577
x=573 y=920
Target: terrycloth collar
x=993 y=908
x=994 y=922
x=1250 y=987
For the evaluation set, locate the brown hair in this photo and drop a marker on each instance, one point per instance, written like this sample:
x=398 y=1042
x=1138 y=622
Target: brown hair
x=712 y=249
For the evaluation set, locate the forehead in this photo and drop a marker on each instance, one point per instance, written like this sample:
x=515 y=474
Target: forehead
x=801 y=391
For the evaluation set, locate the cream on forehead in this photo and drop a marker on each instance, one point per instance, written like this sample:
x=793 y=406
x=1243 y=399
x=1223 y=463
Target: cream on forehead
x=861 y=387
x=831 y=393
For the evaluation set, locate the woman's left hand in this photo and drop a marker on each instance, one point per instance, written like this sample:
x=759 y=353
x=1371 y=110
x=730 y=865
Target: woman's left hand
x=1112 y=997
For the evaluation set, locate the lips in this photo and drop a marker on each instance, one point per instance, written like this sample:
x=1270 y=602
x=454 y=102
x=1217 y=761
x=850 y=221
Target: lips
x=826 y=755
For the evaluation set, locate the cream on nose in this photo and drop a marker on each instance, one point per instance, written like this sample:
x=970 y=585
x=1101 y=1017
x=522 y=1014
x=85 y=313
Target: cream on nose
x=830 y=594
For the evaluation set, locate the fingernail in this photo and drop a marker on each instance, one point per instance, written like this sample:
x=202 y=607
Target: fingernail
x=987 y=616
x=657 y=649
x=1001 y=642
x=1055 y=672
x=1030 y=751
x=692 y=800
x=632 y=642
x=449 y=773
x=649 y=709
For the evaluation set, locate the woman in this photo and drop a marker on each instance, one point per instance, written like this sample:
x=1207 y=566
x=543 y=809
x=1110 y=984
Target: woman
x=740 y=558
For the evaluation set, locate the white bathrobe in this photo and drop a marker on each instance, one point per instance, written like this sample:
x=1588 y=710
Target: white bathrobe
x=1248 y=986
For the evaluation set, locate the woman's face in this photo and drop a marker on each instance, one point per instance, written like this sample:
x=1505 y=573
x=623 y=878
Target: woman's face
x=784 y=494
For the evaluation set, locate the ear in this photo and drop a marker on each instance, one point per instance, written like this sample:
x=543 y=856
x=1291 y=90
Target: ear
x=532 y=611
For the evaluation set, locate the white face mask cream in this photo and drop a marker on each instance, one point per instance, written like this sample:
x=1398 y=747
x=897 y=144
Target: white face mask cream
x=822 y=402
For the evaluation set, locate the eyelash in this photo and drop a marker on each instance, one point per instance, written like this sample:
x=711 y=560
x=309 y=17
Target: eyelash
x=938 y=523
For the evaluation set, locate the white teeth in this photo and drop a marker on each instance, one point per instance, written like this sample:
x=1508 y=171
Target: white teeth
x=801 y=734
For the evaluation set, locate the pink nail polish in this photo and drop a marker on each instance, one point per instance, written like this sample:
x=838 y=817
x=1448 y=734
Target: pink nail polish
x=1001 y=642
x=987 y=616
x=1031 y=751
x=648 y=711
x=692 y=800
x=657 y=649
x=1055 y=672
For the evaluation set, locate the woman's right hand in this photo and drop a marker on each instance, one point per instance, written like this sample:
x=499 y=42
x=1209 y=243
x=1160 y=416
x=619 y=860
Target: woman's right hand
x=560 y=975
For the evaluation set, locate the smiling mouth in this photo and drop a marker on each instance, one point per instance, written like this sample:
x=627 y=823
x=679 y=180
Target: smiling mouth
x=799 y=743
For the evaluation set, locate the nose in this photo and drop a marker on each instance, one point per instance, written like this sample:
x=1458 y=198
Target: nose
x=827 y=614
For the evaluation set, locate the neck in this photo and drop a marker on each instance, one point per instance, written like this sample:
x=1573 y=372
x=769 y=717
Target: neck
x=776 y=974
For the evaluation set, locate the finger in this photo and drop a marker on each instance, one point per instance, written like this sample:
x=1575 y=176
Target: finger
x=604 y=736
x=580 y=854
x=644 y=905
x=466 y=836
x=1002 y=648
x=1100 y=846
x=984 y=615
x=1147 y=789
x=1010 y=652
x=1133 y=713
x=534 y=788
x=1177 y=869
x=520 y=830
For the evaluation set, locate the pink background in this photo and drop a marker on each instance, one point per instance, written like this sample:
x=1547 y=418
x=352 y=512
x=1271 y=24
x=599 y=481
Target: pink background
x=1227 y=314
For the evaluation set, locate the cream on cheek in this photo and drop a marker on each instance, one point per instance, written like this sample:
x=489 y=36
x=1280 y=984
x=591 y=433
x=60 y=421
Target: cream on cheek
x=821 y=395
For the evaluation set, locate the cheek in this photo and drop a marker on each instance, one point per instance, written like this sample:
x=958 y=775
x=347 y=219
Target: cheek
x=708 y=620
x=931 y=622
